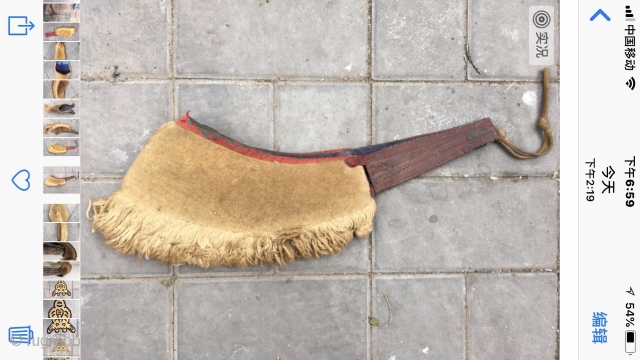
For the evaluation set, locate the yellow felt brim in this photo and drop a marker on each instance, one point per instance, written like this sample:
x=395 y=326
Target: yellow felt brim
x=65 y=31
x=63 y=232
x=58 y=213
x=56 y=149
x=58 y=88
x=54 y=182
x=187 y=200
x=60 y=53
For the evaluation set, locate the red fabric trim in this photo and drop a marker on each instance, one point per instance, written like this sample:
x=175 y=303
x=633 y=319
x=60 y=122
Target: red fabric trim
x=255 y=153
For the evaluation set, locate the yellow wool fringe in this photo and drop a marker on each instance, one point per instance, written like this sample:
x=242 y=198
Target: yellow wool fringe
x=132 y=228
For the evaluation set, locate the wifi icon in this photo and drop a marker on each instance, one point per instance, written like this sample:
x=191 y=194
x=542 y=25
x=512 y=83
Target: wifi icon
x=631 y=83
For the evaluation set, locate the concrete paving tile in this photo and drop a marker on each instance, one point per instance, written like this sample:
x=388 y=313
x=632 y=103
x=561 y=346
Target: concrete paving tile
x=240 y=111
x=50 y=232
x=132 y=35
x=499 y=40
x=72 y=50
x=428 y=317
x=353 y=258
x=406 y=110
x=299 y=318
x=118 y=121
x=71 y=186
x=100 y=259
x=421 y=40
x=62 y=142
x=187 y=270
x=271 y=39
x=321 y=116
x=512 y=316
x=126 y=320
x=467 y=224
x=74 y=123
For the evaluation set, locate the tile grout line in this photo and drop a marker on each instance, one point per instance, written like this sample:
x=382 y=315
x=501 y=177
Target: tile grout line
x=557 y=29
x=369 y=61
x=466 y=316
x=369 y=334
x=370 y=119
x=174 y=101
x=173 y=328
x=281 y=276
x=370 y=341
x=559 y=72
x=370 y=274
x=172 y=40
x=327 y=80
x=466 y=35
x=274 y=105
x=171 y=70
x=557 y=342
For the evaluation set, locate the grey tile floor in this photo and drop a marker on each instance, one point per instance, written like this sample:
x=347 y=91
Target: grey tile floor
x=467 y=254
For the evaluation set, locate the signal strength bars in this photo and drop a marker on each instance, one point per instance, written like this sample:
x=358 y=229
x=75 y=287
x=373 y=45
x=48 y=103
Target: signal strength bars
x=628 y=14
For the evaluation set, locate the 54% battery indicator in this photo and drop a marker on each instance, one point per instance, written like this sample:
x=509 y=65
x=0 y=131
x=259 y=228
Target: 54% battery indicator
x=630 y=335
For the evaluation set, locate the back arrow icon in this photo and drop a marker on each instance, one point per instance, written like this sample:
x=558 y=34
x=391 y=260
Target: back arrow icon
x=30 y=25
x=600 y=12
